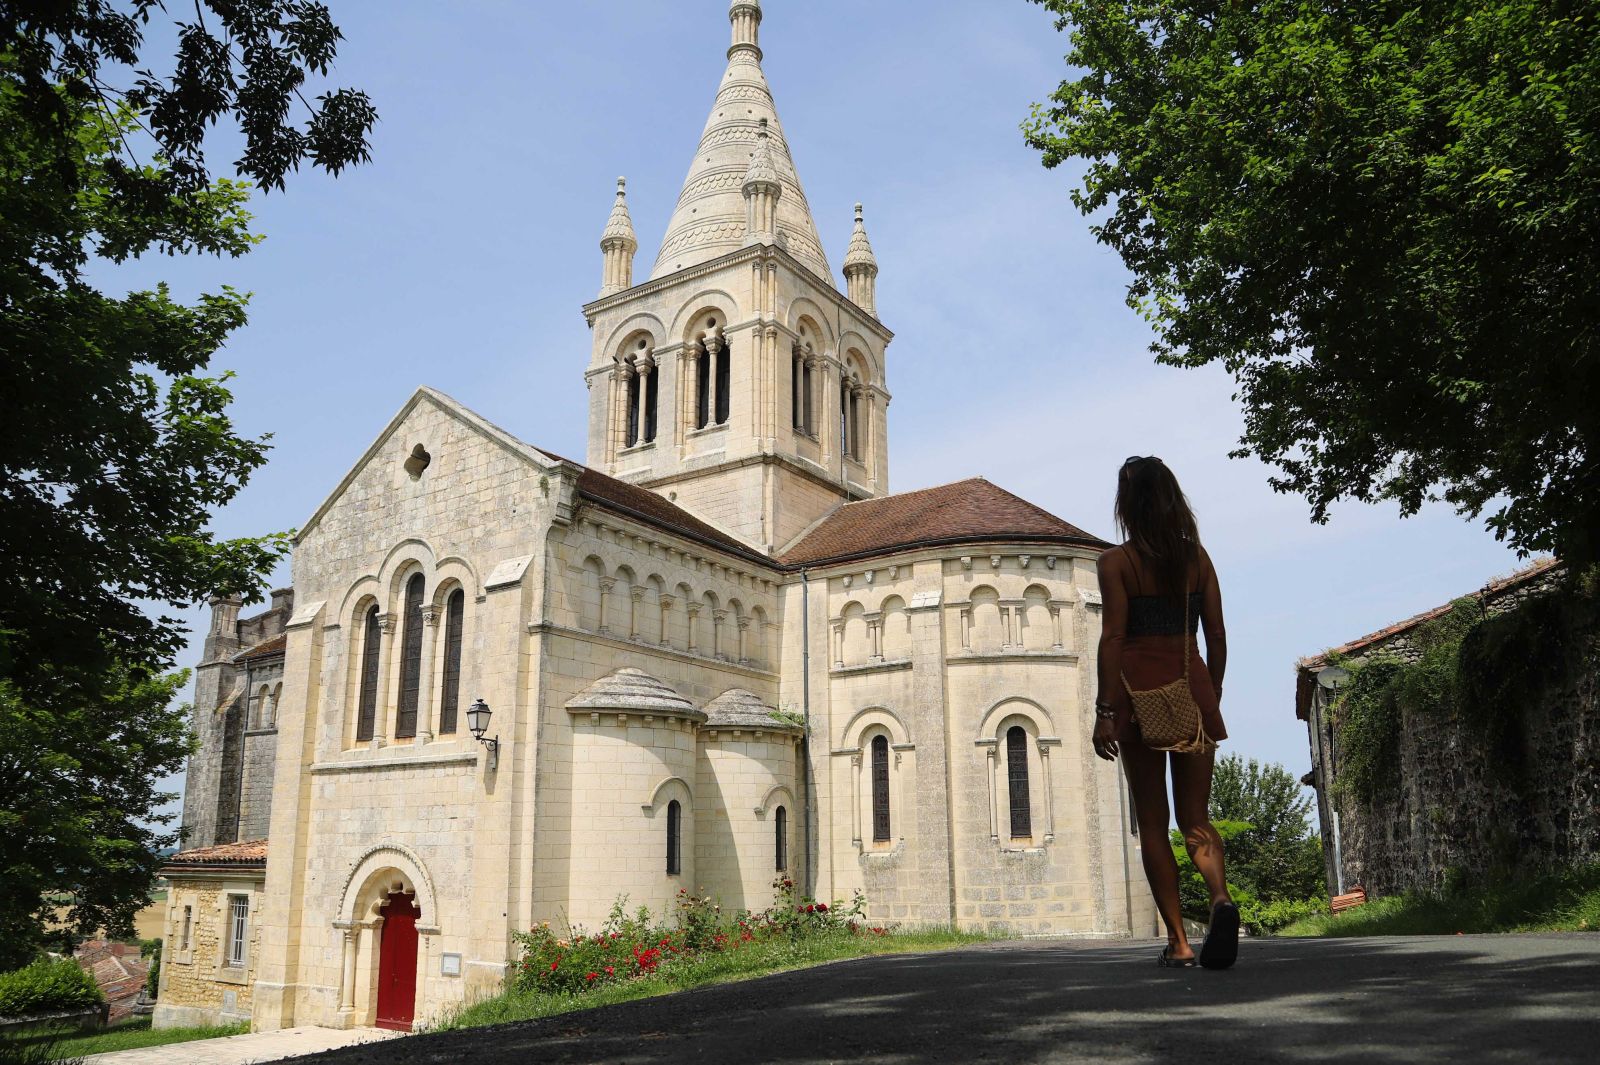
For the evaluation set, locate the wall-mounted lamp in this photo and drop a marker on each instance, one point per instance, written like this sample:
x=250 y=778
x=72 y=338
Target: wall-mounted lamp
x=478 y=715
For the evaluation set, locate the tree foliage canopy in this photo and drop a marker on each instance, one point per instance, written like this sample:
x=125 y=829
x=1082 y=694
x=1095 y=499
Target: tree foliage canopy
x=115 y=445
x=1279 y=857
x=1381 y=217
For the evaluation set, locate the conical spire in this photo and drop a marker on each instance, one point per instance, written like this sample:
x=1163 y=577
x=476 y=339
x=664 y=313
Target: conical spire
x=617 y=245
x=620 y=225
x=861 y=269
x=860 y=256
x=710 y=219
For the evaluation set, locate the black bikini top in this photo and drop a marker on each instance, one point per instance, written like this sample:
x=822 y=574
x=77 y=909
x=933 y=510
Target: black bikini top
x=1162 y=615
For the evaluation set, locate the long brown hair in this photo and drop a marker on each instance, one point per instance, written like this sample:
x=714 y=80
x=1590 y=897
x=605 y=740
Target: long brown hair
x=1154 y=516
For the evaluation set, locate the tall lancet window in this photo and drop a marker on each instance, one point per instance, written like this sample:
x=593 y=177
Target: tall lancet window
x=724 y=379
x=846 y=437
x=857 y=452
x=405 y=722
x=1017 y=782
x=797 y=402
x=632 y=436
x=702 y=387
x=652 y=390
x=371 y=644
x=880 y=789
x=450 y=685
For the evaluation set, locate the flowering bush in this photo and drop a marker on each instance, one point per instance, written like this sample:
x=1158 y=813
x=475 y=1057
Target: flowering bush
x=627 y=947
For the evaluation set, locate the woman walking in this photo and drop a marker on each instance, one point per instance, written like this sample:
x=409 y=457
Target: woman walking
x=1159 y=701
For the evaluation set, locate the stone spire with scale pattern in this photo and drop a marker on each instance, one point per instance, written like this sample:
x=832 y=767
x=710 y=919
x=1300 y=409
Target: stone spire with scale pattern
x=711 y=218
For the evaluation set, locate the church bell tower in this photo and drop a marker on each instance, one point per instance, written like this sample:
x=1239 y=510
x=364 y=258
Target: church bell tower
x=738 y=380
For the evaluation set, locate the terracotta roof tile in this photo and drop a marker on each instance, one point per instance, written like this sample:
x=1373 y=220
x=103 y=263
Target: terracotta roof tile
x=970 y=511
x=654 y=509
x=264 y=649
x=1306 y=667
x=253 y=852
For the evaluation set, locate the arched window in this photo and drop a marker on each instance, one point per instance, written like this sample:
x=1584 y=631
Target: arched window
x=631 y=437
x=367 y=707
x=797 y=401
x=405 y=720
x=880 y=789
x=450 y=685
x=652 y=390
x=780 y=826
x=857 y=452
x=674 y=838
x=702 y=387
x=724 y=379
x=1017 y=777
x=847 y=441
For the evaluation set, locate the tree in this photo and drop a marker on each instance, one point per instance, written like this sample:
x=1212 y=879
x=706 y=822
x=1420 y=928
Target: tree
x=1381 y=217
x=1278 y=856
x=77 y=833
x=115 y=446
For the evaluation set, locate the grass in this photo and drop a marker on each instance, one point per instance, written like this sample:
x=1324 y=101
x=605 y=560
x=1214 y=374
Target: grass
x=1556 y=902
x=763 y=959
x=128 y=1035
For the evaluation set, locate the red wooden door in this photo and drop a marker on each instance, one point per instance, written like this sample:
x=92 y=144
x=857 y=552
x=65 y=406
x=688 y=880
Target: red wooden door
x=397 y=964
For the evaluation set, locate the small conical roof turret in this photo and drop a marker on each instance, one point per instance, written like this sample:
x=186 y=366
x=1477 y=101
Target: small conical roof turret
x=859 y=256
x=619 y=227
x=763 y=170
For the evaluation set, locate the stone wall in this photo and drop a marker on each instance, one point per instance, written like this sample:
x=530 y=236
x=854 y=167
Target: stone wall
x=1457 y=809
x=197 y=987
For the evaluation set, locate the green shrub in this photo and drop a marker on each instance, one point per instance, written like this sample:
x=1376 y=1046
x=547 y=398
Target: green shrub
x=1264 y=918
x=640 y=945
x=47 y=987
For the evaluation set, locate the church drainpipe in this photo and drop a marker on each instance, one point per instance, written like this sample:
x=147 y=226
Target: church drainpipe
x=805 y=717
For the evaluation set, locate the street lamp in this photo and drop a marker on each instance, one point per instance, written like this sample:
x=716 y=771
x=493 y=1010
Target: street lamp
x=478 y=715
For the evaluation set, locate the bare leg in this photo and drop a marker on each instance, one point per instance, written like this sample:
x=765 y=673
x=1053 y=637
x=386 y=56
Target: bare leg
x=1146 y=771
x=1191 y=798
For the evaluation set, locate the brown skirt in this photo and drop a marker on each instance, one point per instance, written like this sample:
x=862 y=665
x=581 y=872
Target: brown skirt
x=1151 y=661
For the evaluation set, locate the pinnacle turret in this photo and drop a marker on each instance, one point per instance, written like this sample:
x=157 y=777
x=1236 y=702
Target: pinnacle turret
x=861 y=268
x=617 y=244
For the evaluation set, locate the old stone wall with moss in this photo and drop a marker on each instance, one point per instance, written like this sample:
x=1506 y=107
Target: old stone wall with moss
x=1471 y=748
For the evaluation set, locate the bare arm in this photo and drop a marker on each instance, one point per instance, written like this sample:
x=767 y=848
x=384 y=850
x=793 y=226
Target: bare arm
x=1211 y=622
x=1113 y=622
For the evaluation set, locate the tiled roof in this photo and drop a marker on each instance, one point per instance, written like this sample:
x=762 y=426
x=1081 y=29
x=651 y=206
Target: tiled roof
x=1306 y=667
x=647 y=506
x=970 y=511
x=253 y=852
x=264 y=649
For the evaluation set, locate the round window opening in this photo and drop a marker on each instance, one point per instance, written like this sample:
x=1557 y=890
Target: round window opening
x=418 y=461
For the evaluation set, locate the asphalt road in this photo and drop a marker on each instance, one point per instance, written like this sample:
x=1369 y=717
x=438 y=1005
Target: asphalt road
x=1458 y=999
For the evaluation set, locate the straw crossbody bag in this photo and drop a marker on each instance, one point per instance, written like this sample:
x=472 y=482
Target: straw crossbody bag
x=1168 y=717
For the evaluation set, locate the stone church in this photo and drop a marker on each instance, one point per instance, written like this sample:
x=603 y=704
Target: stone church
x=715 y=651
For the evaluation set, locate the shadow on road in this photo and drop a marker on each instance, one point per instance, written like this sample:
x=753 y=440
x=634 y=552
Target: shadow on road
x=1507 y=998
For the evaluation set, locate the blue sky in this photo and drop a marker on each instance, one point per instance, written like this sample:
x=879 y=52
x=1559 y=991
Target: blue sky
x=459 y=258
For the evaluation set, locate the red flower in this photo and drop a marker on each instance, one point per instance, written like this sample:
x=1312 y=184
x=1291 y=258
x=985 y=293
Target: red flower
x=610 y=971
x=554 y=964
x=822 y=907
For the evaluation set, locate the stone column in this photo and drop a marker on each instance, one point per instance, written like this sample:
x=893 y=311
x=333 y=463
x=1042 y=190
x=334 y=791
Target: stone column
x=635 y=596
x=743 y=625
x=388 y=667
x=1049 y=793
x=347 y=987
x=684 y=412
x=643 y=367
x=430 y=642
x=855 y=798
x=991 y=751
x=606 y=585
x=838 y=645
x=694 y=624
x=666 y=615
x=772 y=387
x=717 y=618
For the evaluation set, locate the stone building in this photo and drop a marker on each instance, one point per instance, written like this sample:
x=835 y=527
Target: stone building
x=716 y=651
x=212 y=938
x=1451 y=811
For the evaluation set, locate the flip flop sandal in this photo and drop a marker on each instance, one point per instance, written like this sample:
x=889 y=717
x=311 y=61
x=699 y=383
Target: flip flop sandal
x=1221 y=948
x=1167 y=961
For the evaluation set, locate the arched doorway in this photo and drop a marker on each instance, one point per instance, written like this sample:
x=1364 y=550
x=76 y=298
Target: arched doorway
x=397 y=963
